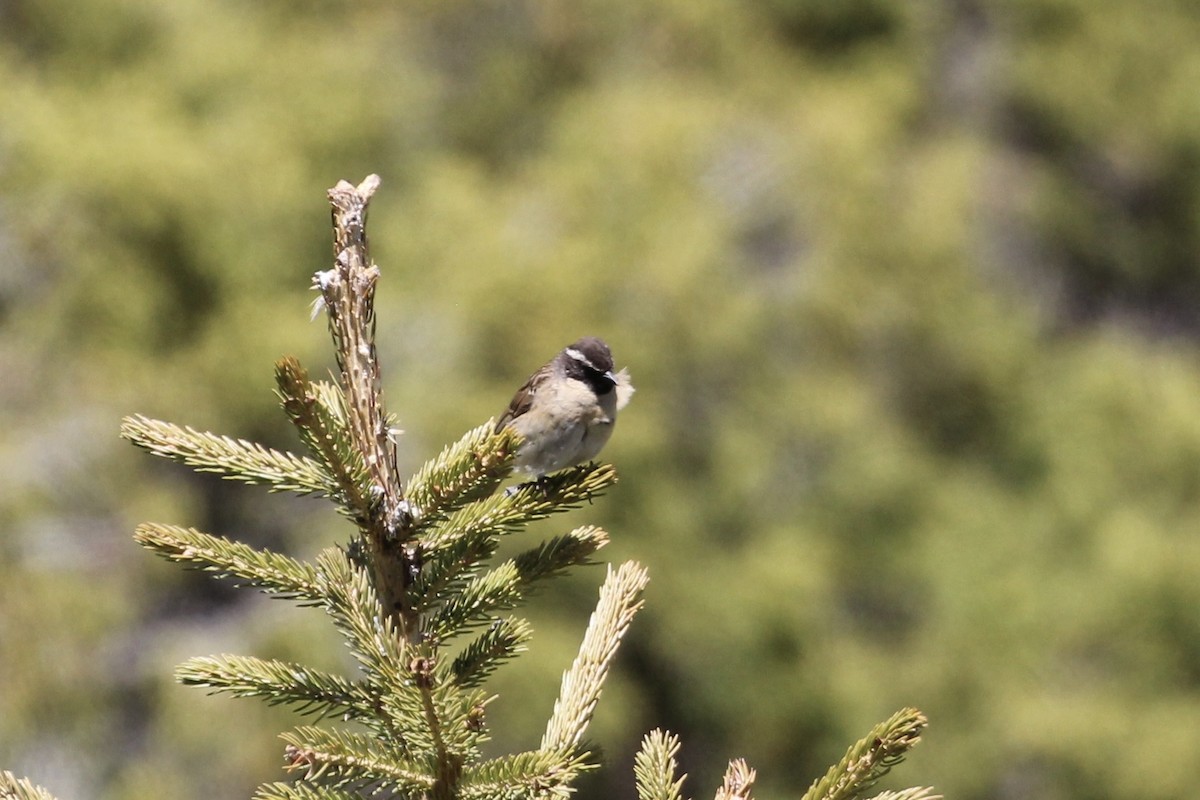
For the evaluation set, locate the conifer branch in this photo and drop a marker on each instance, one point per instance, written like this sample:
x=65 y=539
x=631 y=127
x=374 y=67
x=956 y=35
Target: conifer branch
x=274 y=573
x=14 y=788
x=536 y=774
x=503 y=640
x=474 y=600
x=655 y=767
x=510 y=511
x=417 y=709
x=556 y=555
x=421 y=710
x=351 y=601
x=564 y=490
x=739 y=778
x=474 y=604
x=439 y=724
x=620 y=599
x=302 y=791
x=915 y=793
x=278 y=682
x=468 y=470
x=449 y=569
x=456 y=547
x=870 y=758
x=232 y=459
x=317 y=410
x=342 y=758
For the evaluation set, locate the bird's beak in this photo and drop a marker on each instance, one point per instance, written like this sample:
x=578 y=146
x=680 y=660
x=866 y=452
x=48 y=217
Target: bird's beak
x=612 y=378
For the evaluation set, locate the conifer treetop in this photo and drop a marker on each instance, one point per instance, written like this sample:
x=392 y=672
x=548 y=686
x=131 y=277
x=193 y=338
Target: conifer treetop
x=426 y=608
x=417 y=593
x=348 y=295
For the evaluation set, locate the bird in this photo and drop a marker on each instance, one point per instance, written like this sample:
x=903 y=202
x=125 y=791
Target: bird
x=566 y=411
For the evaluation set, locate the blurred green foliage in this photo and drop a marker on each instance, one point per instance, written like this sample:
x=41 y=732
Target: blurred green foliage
x=910 y=292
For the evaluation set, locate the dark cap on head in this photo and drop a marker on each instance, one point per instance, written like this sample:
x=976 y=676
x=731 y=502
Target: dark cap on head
x=595 y=352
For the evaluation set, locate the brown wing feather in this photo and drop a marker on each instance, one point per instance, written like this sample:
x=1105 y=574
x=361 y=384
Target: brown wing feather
x=522 y=400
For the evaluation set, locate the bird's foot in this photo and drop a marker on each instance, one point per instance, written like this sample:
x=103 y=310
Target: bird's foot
x=539 y=482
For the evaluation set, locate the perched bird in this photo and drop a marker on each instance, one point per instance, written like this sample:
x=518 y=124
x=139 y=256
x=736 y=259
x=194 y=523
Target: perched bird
x=565 y=412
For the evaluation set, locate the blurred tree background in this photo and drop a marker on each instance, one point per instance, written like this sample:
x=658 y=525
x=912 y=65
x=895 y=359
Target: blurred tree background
x=911 y=293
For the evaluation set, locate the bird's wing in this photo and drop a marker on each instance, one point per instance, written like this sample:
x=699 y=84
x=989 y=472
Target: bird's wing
x=521 y=401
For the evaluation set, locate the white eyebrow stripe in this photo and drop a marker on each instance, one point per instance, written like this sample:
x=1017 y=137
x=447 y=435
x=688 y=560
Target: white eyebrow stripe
x=578 y=356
